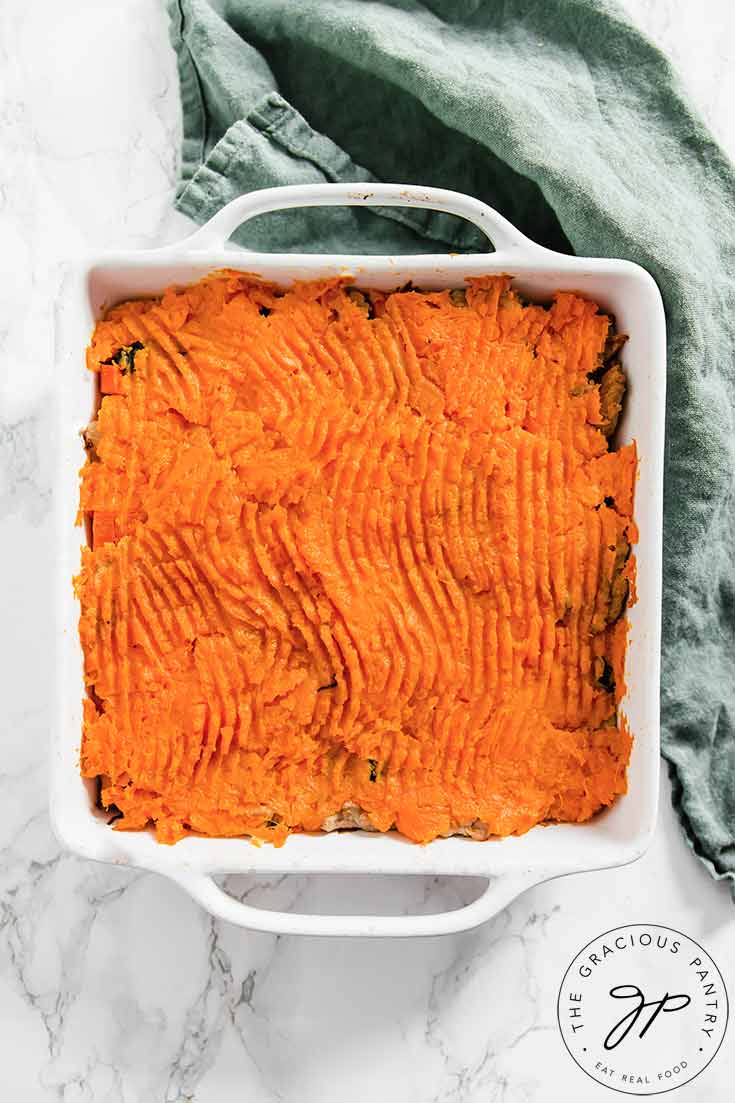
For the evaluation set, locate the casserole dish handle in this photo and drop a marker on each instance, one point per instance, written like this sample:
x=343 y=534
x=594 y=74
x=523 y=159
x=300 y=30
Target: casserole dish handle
x=502 y=235
x=499 y=892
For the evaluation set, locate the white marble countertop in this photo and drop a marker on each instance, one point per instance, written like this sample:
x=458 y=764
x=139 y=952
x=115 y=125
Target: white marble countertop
x=114 y=986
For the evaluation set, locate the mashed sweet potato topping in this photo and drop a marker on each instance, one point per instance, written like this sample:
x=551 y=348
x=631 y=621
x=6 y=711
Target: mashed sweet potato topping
x=355 y=558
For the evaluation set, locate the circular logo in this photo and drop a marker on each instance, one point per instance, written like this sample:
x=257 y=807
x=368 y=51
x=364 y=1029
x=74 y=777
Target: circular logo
x=642 y=1009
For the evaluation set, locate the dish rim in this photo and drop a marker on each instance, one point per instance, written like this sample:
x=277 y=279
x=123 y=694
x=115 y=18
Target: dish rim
x=512 y=863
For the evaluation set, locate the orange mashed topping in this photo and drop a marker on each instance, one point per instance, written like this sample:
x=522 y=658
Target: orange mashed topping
x=351 y=550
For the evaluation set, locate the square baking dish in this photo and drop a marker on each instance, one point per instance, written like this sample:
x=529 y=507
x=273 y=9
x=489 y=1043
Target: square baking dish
x=612 y=838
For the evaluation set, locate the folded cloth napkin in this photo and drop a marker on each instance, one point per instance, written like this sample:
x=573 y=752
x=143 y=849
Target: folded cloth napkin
x=571 y=123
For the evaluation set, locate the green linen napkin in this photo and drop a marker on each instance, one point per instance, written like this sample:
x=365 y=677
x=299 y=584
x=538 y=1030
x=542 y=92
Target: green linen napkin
x=573 y=125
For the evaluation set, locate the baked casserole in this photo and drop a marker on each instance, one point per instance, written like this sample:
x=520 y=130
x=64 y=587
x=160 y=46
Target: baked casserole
x=357 y=559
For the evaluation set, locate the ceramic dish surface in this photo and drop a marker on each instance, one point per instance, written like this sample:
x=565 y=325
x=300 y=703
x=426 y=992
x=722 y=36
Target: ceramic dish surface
x=510 y=865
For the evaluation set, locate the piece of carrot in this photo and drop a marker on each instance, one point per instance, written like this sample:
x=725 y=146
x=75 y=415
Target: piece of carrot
x=110 y=379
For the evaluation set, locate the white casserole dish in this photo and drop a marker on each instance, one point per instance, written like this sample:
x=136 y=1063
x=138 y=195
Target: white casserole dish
x=617 y=836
